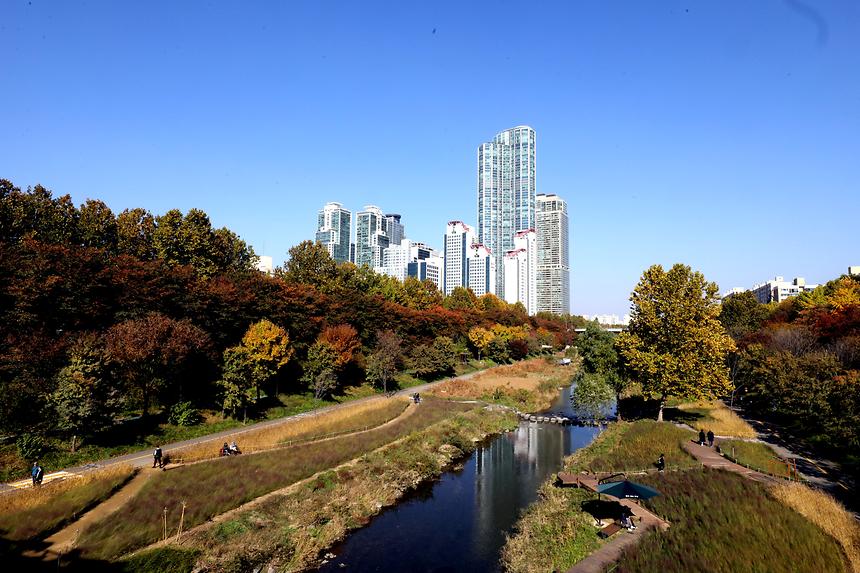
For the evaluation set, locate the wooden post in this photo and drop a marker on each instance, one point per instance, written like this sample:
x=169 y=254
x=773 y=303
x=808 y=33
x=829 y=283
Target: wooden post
x=181 y=521
x=164 y=524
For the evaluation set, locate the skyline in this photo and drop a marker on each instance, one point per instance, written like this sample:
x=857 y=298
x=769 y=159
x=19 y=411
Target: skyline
x=721 y=136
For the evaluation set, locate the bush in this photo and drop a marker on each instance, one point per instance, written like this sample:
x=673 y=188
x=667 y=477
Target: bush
x=184 y=414
x=30 y=446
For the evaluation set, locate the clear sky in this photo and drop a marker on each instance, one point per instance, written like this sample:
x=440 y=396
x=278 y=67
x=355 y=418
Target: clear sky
x=723 y=134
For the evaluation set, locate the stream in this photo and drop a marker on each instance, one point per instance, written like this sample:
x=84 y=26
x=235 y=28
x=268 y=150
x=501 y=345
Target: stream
x=459 y=521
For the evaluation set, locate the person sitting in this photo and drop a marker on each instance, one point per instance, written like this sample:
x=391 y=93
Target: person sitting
x=627 y=522
x=234 y=448
x=225 y=449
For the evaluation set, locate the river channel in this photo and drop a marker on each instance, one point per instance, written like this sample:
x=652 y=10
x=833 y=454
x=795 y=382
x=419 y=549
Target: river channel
x=459 y=522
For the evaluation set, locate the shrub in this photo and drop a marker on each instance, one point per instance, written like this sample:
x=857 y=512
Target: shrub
x=184 y=414
x=30 y=446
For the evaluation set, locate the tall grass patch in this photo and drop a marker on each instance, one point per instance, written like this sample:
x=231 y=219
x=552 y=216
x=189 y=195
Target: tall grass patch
x=755 y=455
x=712 y=415
x=34 y=512
x=825 y=512
x=211 y=488
x=724 y=522
x=629 y=447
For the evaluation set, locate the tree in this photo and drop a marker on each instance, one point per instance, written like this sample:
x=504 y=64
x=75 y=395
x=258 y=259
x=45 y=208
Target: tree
x=480 y=338
x=152 y=350
x=437 y=359
x=237 y=380
x=343 y=339
x=420 y=295
x=311 y=264
x=267 y=347
x=675 y=345
x=597 y=349
x=461 y=298
x=97 y=225
x=592 y=395
x=319 y=368
x=383 y=361
x=85 y=400
x=135 y=230
x=742 y=314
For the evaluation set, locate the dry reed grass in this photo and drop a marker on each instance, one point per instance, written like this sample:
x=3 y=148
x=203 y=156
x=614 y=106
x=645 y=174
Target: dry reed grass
x=825 y=512
x=344 y=419
x=28 y=512
x=717 y=417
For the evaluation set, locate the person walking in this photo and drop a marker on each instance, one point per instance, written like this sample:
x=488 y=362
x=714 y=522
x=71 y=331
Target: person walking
x=701 y=437
x=661 y=463
x=37 y=473
x=710 y=439
x=157 y=457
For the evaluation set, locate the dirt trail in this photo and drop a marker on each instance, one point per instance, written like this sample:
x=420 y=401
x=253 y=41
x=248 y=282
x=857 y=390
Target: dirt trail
x=63 y=541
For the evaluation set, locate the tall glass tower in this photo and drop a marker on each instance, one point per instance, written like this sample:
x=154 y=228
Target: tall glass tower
x=506 y=192
x=333 y=230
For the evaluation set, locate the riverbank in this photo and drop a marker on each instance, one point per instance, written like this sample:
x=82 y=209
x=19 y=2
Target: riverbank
x=720 y=521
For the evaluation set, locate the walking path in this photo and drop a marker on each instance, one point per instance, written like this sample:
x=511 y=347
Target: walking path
x=143 y=458
x=711 y=459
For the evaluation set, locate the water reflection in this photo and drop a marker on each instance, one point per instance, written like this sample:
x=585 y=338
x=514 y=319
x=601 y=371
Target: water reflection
x=458 y=523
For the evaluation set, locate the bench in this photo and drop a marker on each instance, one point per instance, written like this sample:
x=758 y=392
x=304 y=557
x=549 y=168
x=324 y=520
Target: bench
x=609 y=530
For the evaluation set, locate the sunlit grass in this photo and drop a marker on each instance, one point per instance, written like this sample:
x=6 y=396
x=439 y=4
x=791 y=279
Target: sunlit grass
x=715 y=416
x=755 y=455
x=724 y=522
x=29 y=513
x=213 y=487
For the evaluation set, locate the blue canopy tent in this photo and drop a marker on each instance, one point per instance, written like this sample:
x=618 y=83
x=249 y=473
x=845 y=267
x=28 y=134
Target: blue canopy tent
x=627 y=489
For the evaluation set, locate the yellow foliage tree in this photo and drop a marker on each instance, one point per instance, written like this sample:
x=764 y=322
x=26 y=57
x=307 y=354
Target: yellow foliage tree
x=480 y=338
x=267 y=348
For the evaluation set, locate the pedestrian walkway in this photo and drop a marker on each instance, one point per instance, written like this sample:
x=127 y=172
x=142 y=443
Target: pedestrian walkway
x=711 y=459
x=28 y=482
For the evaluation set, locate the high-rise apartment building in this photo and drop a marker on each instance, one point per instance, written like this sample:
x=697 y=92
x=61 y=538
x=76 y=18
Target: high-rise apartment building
x=481 y=269
x=506 y=192
x=394 y=229
x=333 y=230
x=456 y=244
x=395 y=260
x=370 y=236
x=520 y=271
x=429 y=269
x=553 y=266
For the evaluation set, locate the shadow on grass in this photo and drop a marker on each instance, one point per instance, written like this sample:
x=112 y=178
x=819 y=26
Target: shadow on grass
x=688 y=417
x=638 y=407
x=601 y=509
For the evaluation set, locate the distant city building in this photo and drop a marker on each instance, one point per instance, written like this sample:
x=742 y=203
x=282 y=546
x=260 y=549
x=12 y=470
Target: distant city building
x=265 y=265
x=334 y=229
x=395 y=231
x=520 y=271
x=609 y=319
x=481 y=269
x=778 y=289
x=733 y=292
x=370 y=236
x=854 y=271
x=395 y=260
x=456 y=243
x=420 y=251
x=506 y=192
x=429 y=269
x=553 y=266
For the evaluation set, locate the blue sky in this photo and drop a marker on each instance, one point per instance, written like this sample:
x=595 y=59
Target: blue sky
x=721 y=134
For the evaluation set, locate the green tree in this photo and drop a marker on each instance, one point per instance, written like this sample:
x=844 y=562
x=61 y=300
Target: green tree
x=135 y=233
x=437 y=359
x=592 y=396
x=382 y=362
x=85 y=400
x=420 y=295
x=319 y=368
x=310 y=264
x=461 y=298
x=742 y=314
x=675 y=345
x=97 y=225
x=237 y=381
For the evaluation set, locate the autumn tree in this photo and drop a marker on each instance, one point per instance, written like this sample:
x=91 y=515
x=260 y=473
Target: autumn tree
x=343 y=339
x=382 y=362
x=461 y=298
x=480 y=338
x=267 y=348
x=675 y=346
x=151 y=352
x=310 y=264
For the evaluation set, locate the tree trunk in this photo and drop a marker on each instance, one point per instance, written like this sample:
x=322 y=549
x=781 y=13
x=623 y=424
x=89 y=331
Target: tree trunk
x=660 y=411
x=74 y=442
x=618 y=406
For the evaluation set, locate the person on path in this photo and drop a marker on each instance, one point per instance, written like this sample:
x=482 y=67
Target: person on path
x=710 y=439
x=701 y=437
x=661 y=463
x=37 y=474
x=157 y=457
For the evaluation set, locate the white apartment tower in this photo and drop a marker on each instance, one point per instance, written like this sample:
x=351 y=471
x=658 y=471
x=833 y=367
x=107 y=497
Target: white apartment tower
x=370 y=236
x=395 y=260
x=553 y=266
x=458 y=239
x=521 y=271
x=333 y=230
x=481 y=268
x=394 y=229
x=506 y=192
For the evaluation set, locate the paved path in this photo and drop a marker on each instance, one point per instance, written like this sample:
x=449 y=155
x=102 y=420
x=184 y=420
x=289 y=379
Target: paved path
x=143 y=458
x=711 y=459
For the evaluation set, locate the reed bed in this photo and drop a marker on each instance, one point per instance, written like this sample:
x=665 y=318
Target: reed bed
x=345 y=419
x=32 y=512
x=216 y=486
x=724 y=522
x=825 y=512
x=714 y=415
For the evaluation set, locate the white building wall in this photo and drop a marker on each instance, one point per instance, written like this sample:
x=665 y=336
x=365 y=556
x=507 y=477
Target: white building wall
x=482 y=270
x=456 y=243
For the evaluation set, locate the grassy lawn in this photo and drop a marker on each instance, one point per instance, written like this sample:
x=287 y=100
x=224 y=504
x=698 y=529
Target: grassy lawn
x=211 y=488
x=32 y=513
x=634 y=447
x=754 y=455
x=724 y=522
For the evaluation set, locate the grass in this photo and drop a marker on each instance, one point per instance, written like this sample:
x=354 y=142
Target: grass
x=552 y=534
x=826 y=513
x=290 y=531
x=755 y=455
x=211 y=488
x=724 y=522
x=710 y=415
x=162 y=560
x=350 y=418
x=32 y=513
x=633 y=447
